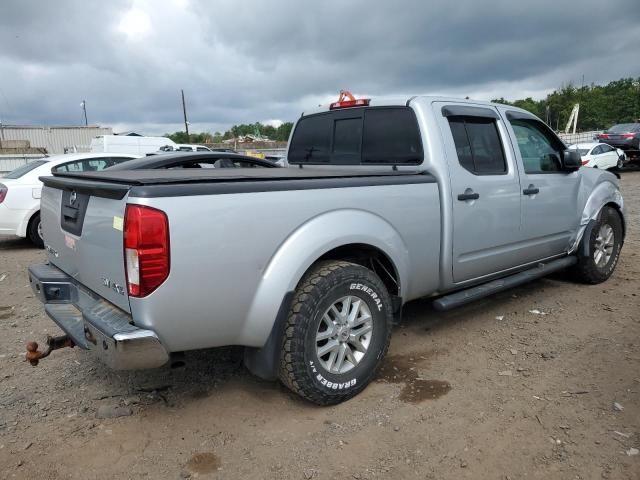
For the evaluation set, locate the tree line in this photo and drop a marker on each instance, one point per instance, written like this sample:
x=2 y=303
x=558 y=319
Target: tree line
x=279 y=134
x=601 y=106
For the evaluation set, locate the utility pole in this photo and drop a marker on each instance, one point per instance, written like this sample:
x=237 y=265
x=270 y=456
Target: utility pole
x=84 y=112
x=184 y=112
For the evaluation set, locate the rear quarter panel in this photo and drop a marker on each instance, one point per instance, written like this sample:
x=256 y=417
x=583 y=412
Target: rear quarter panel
x=234 y=257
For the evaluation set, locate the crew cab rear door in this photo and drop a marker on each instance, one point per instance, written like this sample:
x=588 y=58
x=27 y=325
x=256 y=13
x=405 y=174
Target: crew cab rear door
x=485 y=190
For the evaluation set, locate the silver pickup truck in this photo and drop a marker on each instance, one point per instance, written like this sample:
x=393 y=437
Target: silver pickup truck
x=384 y=201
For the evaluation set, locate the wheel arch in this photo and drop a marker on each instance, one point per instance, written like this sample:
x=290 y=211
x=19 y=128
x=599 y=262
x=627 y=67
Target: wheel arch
x=604 y=194
x=365 y=239
x=26 y=221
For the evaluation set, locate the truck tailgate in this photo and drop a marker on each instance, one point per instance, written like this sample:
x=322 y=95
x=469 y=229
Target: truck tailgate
x=83 y=232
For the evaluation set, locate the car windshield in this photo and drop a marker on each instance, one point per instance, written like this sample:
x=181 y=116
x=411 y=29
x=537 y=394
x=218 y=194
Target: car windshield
x=24 y=169
x=622 y=128
x=583 y=151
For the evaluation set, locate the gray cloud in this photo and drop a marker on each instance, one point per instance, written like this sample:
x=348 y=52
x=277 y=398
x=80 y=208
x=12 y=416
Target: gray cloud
x=247 y=61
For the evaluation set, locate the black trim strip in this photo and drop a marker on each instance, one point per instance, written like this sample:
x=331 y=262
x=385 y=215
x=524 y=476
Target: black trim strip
x=224 y=188
x=467 y=111
x=90 y=187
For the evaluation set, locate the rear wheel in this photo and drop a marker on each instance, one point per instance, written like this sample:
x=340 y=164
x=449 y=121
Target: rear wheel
x=603 y=247
x=337 y=333
x=34 y=231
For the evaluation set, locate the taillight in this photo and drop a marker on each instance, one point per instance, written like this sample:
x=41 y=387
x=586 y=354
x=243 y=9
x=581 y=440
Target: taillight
x=361 y=102
x=3 y=192
x=603 y=135
x=628 y=135
x=146 y=249
x=584 y=162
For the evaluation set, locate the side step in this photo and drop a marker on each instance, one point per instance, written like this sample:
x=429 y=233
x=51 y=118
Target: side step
x=469 y=295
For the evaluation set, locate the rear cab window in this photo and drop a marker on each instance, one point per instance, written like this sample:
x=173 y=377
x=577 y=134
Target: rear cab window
x=89 y=164
x=358 y=136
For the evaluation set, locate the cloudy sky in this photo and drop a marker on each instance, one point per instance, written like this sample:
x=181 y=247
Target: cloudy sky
x=245 y=61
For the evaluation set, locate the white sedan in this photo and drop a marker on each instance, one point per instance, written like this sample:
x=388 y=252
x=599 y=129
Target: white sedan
x=20 y=189
x=600 y=155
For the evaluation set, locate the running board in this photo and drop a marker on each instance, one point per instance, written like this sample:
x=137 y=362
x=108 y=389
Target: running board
x=469 y=295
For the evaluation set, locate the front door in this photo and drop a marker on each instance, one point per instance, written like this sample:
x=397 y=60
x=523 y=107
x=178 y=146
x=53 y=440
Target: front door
x=550 y=214
x=485 y=191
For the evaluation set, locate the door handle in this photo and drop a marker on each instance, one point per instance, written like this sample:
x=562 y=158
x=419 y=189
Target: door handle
x=531 y=190
x=468 y=195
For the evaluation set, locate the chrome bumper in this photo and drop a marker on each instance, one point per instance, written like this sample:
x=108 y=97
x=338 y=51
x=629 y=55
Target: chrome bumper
x=95 y=324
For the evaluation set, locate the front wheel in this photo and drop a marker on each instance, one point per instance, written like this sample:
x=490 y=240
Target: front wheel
x=337 y=333
x=603 y=247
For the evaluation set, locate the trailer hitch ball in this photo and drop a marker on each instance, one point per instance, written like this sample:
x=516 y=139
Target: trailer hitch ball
x=33 y=355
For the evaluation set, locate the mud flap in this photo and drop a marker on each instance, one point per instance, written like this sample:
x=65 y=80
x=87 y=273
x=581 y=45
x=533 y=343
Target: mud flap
x=264 y=362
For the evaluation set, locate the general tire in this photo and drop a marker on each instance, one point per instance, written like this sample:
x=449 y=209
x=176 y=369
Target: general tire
x=587 y=270
x=33 y=231
x=322 y=294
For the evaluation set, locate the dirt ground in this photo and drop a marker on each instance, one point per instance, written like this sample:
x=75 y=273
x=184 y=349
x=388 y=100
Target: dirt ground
x=488 y=391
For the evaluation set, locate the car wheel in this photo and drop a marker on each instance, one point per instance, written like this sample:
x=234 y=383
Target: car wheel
x=603 y=246
x=34 y=231
x=620 y=164
x=337 y=333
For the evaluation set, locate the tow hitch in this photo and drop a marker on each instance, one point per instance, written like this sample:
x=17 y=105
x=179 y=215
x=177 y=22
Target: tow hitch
x=33 y=356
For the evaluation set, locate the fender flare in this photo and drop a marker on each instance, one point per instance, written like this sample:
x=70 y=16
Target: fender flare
x=605 y=193
x=301 y=249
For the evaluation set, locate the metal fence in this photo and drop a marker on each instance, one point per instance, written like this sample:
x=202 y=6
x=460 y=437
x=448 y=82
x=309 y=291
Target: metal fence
x=581 y=137
x=12 y=161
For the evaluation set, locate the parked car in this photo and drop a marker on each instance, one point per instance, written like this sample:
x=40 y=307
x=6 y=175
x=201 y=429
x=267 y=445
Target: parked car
x=308 y=266
x=600 y=155
x=20 y=189
x=194 y=160
x=187 y=147
x=624 y=135
x=133 y=144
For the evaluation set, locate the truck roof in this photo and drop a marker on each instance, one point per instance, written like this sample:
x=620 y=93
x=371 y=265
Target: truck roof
x=406 y=100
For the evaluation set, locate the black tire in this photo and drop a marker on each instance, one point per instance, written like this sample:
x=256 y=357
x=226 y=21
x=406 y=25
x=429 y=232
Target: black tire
x=301 y=369
x=620 y=164
x=33 y=231
x=587 y=270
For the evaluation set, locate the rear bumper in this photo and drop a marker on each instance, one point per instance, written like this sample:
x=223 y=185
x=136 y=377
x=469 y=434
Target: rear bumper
x=10 y=220
x=95 y=324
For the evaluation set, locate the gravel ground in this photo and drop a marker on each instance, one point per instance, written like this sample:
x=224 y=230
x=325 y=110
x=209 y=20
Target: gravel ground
x=490 y=390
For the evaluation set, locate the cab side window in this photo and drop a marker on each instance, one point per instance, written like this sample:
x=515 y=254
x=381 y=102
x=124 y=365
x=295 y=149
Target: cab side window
x=540 y=151
x=478 y=145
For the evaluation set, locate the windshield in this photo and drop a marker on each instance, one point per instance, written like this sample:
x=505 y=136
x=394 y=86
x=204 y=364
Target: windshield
x=622 y=128
x=24 y=169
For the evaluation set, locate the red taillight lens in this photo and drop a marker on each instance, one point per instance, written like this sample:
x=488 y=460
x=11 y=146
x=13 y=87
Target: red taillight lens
x=3 y=192
x=146 y=249
x=584 y=162
x=362 y=102
x=603 y=135
x=628 y=135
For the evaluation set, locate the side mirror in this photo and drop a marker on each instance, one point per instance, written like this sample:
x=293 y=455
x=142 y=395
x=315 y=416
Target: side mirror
x=571 y=160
